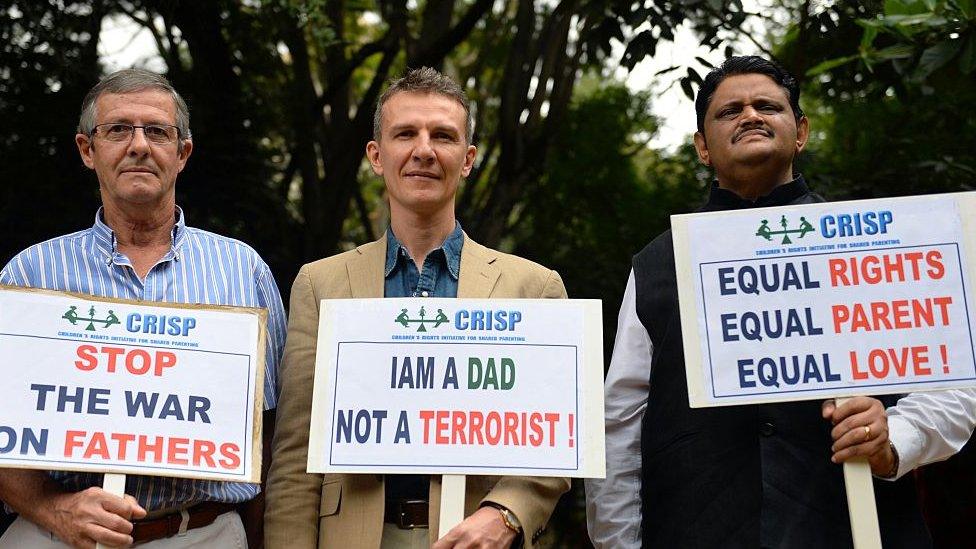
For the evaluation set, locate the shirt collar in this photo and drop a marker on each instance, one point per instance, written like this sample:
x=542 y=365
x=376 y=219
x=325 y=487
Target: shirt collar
x=724 y=199
x=104 y=237
x=451 y=247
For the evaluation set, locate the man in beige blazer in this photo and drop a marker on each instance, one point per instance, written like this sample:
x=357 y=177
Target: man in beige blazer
x=421 y=148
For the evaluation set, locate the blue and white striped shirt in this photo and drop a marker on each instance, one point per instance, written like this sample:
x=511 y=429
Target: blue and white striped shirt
x=201 y=267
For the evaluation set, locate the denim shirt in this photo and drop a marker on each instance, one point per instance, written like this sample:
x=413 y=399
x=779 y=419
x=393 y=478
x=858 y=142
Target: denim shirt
x=437 y=278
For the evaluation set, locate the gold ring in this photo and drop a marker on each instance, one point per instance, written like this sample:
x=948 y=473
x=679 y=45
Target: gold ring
x=867 y=432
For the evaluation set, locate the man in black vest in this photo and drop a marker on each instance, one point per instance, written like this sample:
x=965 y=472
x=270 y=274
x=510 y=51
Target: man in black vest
x=760 y=476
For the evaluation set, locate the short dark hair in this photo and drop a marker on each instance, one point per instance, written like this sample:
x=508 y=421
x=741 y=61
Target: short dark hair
x=747 y=64
x=425 y=80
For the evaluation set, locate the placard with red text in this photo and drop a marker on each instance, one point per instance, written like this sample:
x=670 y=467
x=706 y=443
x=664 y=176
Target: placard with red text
x=459 y=386
x=107 y=385
x=827 y=300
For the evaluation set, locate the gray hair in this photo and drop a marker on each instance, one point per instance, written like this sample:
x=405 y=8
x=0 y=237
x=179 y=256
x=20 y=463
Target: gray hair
x=425 y=80
x=132 y=81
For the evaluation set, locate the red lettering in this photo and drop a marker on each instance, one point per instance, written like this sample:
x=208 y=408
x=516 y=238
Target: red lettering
x=130 y=361
x=97 y=445
x=113 y=353
x=856 y=373
x=164 y=359
x=123 y=441
x=176 y=451
x=88 y=361
x=442 y=425
x=511 y=429
x=145 y=448
x=838 y=272
x=426 y=416
x=457 y=433
x=552 y=419
x=476 y=423
x=936 y=269
x=869 y=269
x=230 y=452
x=203 y=450
x=71 y=442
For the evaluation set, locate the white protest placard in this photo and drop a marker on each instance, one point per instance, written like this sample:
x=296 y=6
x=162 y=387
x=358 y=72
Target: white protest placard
x=827 y=300
x=107 y=385
x=460 y=386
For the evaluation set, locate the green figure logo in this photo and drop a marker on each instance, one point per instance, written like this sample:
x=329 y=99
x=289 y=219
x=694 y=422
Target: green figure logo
x=404 y=319
x=71 y=315
x=765 y=232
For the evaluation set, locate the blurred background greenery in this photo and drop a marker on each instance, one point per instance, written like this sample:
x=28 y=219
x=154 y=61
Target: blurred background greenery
x=571 y=172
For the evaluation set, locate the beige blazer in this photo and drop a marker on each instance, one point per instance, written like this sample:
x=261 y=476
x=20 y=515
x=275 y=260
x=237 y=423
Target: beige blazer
x=346 y=511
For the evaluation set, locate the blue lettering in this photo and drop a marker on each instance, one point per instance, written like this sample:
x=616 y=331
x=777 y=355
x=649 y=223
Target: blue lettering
x=477 y=320
x=856 y=224
x=133 y=322
x=514 y=317
x=743 y=372
x=725 y=278
x=827 y=226
x=886 y=218
x=728 y=324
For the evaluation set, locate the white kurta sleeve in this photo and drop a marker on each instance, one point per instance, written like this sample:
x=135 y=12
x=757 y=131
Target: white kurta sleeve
x=931 y=426
x=613 y=507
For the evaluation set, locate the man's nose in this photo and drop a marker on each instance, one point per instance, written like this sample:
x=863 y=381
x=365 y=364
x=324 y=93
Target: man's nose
x=138 y=145
x=751 y=115
x=422 y=150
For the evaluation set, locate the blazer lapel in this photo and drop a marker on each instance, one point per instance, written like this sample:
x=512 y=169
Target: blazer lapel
x=366 y=269
x=478 y=273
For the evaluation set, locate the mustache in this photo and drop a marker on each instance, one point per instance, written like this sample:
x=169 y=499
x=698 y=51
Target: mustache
x=738 y=135
x=140 y=166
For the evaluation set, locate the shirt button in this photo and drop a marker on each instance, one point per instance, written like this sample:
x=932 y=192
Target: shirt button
x=767 y=429
x=424 y=293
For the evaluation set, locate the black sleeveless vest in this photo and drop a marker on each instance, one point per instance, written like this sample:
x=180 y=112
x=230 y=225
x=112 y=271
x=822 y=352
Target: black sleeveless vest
x=742 y=476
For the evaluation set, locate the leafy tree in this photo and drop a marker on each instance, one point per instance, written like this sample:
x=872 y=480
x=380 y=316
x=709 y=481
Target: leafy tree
x=48 y=60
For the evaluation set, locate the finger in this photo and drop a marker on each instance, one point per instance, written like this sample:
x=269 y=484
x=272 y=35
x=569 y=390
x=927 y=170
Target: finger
x=118 y=506
x=115 y=523
x=855 y=406
x=861 y=442
x=106 y=536
x=827 y=408
x=448 y=541
x=138 y=511
x=856 y=421
x=442 y=543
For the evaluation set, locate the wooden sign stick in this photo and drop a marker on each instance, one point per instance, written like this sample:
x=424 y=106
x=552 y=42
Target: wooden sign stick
x=113 y=483
x=452 y=503
x=860 y=501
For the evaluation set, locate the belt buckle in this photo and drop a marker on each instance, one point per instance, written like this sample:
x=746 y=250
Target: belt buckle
x=403 y=521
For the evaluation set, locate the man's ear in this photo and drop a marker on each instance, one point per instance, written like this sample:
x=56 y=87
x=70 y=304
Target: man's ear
x=469 y=156
x=186 y=147
x=373 y=155
x=85 y=145
x=802 y=133
x=701 y=147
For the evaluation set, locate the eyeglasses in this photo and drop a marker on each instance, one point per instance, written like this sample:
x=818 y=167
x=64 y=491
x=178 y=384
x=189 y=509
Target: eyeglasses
x=159 y=134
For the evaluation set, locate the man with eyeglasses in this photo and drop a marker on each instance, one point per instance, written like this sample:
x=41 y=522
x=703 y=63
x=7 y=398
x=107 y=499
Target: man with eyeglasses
x=134 y=133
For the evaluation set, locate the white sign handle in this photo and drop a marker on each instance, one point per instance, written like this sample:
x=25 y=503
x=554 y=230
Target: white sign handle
x=860 y=501
x=113 y=483
x=452 y=503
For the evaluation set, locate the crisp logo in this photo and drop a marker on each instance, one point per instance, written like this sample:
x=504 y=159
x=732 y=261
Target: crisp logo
x=72 y=316
x=804 y=227
x=404 y=319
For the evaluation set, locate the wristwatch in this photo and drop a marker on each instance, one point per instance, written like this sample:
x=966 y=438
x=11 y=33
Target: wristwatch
x=508 y=517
